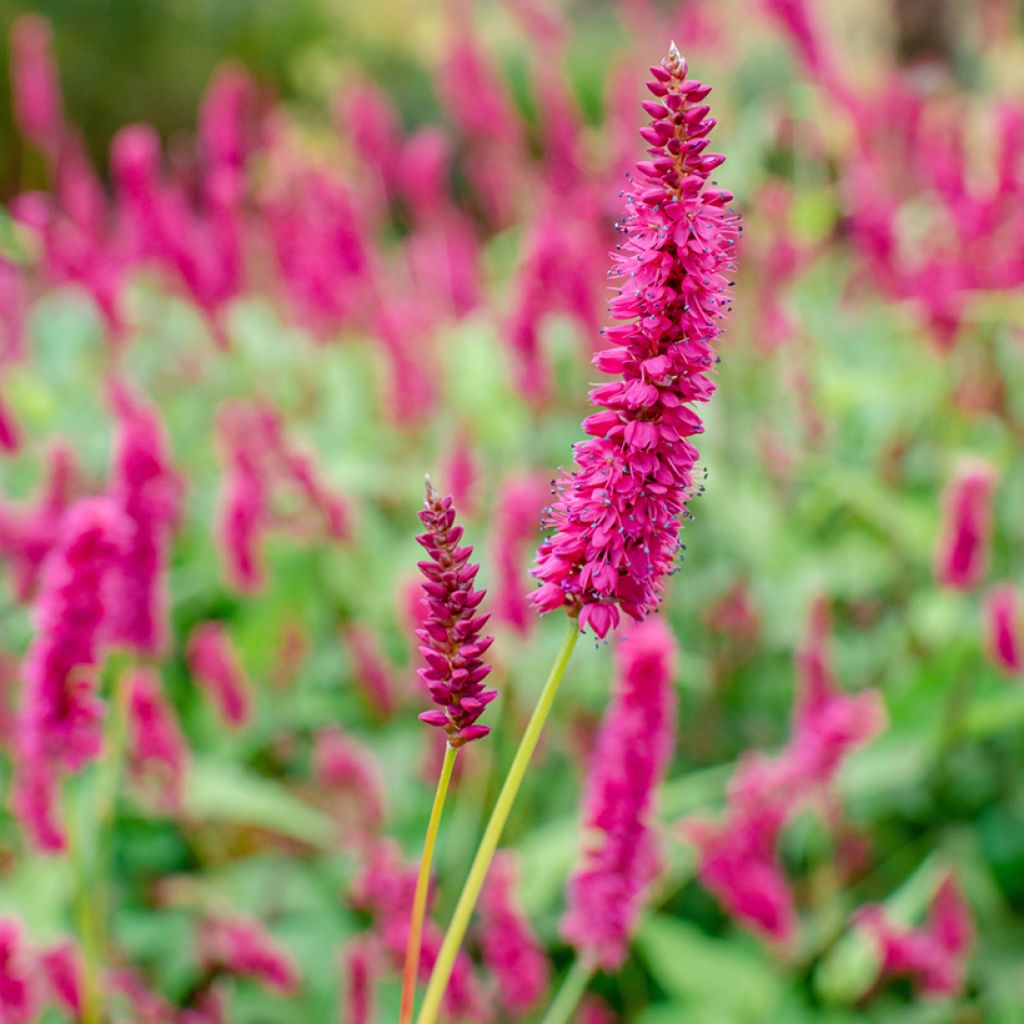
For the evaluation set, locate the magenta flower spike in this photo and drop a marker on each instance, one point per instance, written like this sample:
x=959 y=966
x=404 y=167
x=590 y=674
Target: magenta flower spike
x=38 y=108
x=935 y=955
x=157 y=749
x=451 y=643
x=19 y=1001
x=148 y=492
x=1004 y=621
x=962 y=554
x=213 y=662
x=359 y=963
x=511 y=951
x=242 y=946
x=61 y=714
x=615 y=517
x=62 y=969
x=632 y=753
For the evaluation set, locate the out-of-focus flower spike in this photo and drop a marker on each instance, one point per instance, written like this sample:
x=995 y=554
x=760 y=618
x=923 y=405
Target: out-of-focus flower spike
x=214 y=664
x=344 y=766
x=1004 y=628
x=371 y=670
x=242 y=946
x=19 y=999
x=157 y=749
x=38 y=109
x=629 y=761
x=63 y=971
x=512 y=953
x=961 y=557
x=520 y=501
x=360 y=966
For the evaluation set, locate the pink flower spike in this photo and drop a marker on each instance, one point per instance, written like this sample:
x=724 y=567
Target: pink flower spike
x=511 y=951
x=615 y=518
x=149 y=493
x=18 y=998
x=343 y=766
x=10 y=436
x=34 y=83
x=213 y=662
x=370 y=669
x=517 y=512
x=1004 y=620
x=359 y=965
x=243 y=946
x=451 y=644
x=632 y=752
x=62 y=968
x=962 y=554
x=157 y=749
x=935 y=955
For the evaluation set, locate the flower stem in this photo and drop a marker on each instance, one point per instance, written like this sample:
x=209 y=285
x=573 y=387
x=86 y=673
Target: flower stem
x=492 y=833
x=573 y=986
x=419 y=903
x=86 y=924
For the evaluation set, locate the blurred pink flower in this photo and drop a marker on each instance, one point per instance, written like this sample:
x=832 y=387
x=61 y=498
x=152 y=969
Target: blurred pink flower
x=616 y=516
x=14 y=303
x=935 y=955
x=61 y=714
x=461 y=470
x=511 y=951
x=961 y=557
x=633 y=750
x=226 y=117
x=517 y=512
x=1004 y=619
x=34 y=83
x=10 y=436
x=28 y=533
x=215 y=667
x=148 y=491
x=243 y=947
x=451 y=642
x=157 y=749
x=344 y=765
x=370 y=669
x=385 y=888
x=594 y=1010
x=62 y=968
x=18 y=996
x=359 y=963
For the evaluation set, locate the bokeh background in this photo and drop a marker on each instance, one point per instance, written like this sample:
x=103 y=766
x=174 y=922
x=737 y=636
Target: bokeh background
x=401 y=268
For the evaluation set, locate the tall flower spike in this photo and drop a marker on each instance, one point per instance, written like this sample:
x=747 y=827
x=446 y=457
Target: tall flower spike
x=615 y=516
x=629 y=760
x=962 y=554
x=451 y=643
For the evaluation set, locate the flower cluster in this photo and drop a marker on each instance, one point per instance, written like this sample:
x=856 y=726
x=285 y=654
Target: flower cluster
x=615 y=517
x=632 y=753
x=451 y=643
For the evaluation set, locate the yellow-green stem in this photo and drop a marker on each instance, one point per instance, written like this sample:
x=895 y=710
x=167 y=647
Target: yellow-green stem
x=574 y=984
x=419 y=903
x=85 y=923
x=492 y=833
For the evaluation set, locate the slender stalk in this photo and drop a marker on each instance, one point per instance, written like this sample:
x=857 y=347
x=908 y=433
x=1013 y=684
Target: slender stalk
x=419 y=903
x=86 y=924
x=492 y=833
x=574 y=984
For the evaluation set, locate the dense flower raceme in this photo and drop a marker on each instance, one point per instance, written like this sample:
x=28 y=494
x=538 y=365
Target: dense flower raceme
x=1004 y=618
x=934 y=955
x=214 y=664
x=615 y=517
x=157 y=750
x=451 y=643
x=511 y=951
x=962 y=554
x=244 y=947
x=385 y=889
x=60 y=722
x=28 y=532
x=738 y=855
x=148 y=492
x=18 y=993
x=629 y=760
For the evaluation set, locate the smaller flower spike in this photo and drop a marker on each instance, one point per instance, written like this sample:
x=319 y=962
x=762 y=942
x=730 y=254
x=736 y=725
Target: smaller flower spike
x=450 y=638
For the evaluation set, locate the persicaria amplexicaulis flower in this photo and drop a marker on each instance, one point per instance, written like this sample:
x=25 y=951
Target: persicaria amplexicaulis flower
x=157 y=750
x=630 y=757
x=615 y=516
x=243 y=946
x=451 y=643
x=18 y=997
x=962 y=554
x=1004 y=615
x=212 y=661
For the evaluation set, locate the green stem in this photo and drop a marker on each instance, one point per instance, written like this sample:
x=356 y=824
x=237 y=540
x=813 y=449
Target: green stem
x=85 y=920
x=492 y=834
x=419 y=903
x=574 y=984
